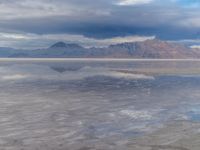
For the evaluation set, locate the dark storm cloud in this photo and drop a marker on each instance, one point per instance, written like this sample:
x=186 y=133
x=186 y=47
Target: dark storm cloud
x=166 y=19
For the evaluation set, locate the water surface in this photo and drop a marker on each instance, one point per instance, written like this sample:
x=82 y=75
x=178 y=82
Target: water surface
x=70 y=104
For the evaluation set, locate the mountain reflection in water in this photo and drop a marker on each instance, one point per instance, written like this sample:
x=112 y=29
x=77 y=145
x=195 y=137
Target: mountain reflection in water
x=71 y=104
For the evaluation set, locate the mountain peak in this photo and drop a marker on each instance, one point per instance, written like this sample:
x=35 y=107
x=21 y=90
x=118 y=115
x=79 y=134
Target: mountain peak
x=59 y=44
x=145 y=49
x=65 y=45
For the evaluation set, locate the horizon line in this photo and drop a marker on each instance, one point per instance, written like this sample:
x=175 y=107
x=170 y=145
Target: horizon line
x=95 y=59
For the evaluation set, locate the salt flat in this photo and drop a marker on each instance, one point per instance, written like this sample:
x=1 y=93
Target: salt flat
x=81 y=104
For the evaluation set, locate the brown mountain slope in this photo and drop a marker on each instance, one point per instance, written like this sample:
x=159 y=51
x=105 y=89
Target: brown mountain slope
x=152 y=49
x=146 y=49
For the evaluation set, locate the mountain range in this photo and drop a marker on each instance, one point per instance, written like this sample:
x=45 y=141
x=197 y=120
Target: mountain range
x=147 y=49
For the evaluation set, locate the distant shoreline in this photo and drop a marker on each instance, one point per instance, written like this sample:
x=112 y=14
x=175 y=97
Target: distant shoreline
x=92 y=59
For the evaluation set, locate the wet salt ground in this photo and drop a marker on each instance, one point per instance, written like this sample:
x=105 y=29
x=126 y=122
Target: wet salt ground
x=43 y=108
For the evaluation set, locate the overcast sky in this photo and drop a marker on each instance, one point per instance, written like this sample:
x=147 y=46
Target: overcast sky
x=40 y=23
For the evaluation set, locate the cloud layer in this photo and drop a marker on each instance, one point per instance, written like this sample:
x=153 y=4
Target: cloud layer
x=100 y=19
x=133 y=2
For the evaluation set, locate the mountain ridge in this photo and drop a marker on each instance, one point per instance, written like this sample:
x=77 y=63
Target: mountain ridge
x=65 y=45
x=155 y=48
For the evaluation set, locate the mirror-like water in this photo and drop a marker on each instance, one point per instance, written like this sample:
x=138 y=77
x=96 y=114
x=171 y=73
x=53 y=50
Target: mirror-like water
x=72 y=104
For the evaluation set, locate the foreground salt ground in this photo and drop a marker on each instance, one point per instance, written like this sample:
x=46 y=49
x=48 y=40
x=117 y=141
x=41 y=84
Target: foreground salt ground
x=178 y=135
x=84 y=105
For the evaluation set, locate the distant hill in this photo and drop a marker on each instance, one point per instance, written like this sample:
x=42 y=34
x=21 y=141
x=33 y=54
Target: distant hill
x=153 y=49
x=146 y=49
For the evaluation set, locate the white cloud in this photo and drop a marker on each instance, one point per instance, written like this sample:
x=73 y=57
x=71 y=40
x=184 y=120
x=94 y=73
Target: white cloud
x=191 y=22
x=13 y=77
x=195 y=46
x=12 y=36
x=45 y=8
x=133 y=2
x=19 y=40
x=128 y=39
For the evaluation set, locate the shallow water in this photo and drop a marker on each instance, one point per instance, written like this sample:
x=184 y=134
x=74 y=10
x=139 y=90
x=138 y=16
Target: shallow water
x=70 y=104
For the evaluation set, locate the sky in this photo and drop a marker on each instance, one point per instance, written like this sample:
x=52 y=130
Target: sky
x=40 y=23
